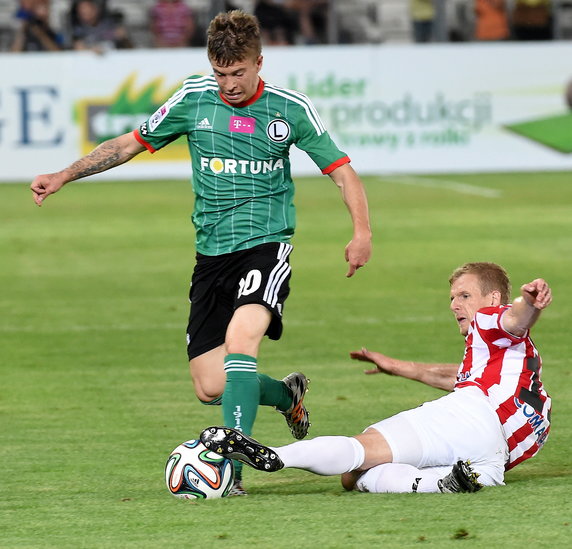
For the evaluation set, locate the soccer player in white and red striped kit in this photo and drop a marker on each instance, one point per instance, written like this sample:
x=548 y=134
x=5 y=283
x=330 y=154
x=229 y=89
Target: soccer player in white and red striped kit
x=496 y=415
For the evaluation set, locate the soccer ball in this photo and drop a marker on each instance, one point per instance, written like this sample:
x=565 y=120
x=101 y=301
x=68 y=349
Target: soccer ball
x=194 y=472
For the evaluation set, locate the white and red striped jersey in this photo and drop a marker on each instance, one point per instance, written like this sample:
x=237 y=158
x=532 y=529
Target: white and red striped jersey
x=507 y=369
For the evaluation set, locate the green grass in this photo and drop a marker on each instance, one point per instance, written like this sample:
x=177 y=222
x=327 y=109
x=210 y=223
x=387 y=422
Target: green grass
x=95 y=391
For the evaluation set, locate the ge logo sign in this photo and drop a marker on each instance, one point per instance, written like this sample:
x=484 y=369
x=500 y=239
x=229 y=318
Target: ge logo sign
x=278 y=130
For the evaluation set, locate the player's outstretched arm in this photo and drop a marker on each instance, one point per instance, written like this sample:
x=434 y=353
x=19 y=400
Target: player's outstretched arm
x=109 y=154
x=534 y=297
x=358 y=251
x=440 y=376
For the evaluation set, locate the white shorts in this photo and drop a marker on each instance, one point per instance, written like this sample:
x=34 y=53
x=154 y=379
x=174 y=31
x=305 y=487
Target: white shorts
x=461 y=425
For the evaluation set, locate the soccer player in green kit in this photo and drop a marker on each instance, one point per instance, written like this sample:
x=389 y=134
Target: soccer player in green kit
x=239 y=130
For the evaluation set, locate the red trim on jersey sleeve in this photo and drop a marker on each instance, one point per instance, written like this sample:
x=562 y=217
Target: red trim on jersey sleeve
x=253 y=99
x=143 y=142
x=500 y=310
x=336 y=164
x=514 y=338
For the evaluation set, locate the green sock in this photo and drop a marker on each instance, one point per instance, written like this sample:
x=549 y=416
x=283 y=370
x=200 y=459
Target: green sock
x=241 y=396
x=274 y=392
x=241 y=392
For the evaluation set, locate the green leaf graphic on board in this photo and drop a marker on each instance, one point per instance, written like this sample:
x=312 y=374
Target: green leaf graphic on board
x=554 y=131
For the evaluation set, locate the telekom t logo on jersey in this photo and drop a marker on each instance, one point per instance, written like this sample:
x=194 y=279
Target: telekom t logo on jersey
x=242 y=124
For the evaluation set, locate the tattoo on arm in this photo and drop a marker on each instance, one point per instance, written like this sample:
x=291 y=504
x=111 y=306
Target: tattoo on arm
x=107 y=155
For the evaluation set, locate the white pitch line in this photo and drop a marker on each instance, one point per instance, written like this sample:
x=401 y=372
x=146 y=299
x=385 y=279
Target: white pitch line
x=456 y=186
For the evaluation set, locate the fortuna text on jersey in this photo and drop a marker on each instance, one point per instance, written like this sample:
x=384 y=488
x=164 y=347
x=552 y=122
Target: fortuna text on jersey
x=233 y=166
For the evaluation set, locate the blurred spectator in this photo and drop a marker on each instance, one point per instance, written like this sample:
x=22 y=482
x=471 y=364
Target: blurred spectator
x=25 y=9
x=278 y=21
x=34 y=32
x=312 y=20
x=73 y=15
x=93 y=29
x=491 y=20
x=122 y=38
x=532 y=20
x=422 y=17
x=172 y=24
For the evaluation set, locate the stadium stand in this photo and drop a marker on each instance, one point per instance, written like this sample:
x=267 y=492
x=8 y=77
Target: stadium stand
x=358 y=21
x=6 y=24
x=562 y=19
x=352 y=21
x=395 y=21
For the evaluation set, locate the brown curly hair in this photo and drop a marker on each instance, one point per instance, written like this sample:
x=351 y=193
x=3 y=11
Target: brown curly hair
x=233 y=36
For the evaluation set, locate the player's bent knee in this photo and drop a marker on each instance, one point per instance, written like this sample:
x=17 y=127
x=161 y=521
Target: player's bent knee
x=216 y=401
x=208 y=392
x=207 y=397
x=208 y=375
x=248 y=348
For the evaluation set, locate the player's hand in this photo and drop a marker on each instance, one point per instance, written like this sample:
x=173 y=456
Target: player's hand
x=537 y=293
x=357 y=254
x=45 y=185
x=383 y=364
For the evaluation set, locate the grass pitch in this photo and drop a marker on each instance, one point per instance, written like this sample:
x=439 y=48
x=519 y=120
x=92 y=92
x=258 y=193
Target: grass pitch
x=95 y=390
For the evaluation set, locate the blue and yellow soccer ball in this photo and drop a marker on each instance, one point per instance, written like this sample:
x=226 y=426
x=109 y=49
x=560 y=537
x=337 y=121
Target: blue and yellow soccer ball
x=194 y=472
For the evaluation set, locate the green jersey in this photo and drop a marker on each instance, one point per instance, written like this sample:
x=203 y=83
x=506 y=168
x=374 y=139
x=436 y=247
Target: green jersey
x=240 y=159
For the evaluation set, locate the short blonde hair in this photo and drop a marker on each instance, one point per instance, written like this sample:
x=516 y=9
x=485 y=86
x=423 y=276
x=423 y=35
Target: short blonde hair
x=491 y=277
